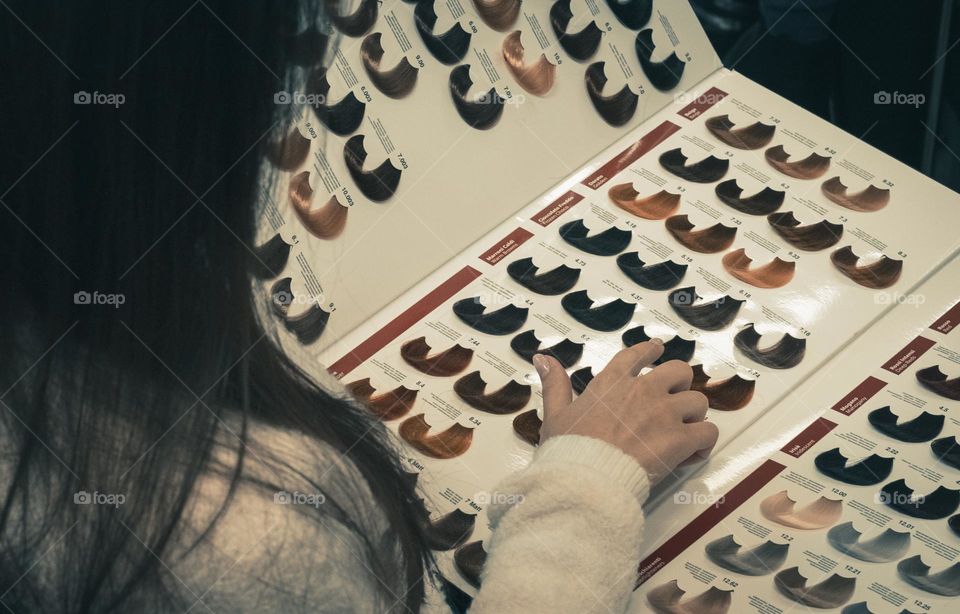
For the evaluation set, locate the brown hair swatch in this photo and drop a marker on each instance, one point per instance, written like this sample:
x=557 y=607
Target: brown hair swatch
x=469 y=560
x=882 y=273
x=289 y=151
x=729 y=394
x=654 y=207
x=935 y=380
x=508 y=399
x=811 y=167
x=831 y=593
x=617 y=108
x=536 y=78
x=705 y=241
x=449 y=443
x=498 y=14
x=775 y=274
x=527 y=427
x=784 y=354
x=666 y=599
x=869 y=199
x=754 y=136
x=451 y=361
x=386 y=406
x=394 y=82
x=780 y=508
x=764 y=202
x=356 y=23
x=711 y=315
x=450 y=530
x=809 y=238
x=325 y=222
x=707 y=170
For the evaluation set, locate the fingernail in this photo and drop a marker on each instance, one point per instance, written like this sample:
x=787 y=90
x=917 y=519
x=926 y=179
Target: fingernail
x=657 y=340
x=542 y=364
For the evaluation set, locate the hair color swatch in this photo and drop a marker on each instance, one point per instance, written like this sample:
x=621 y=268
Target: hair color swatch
x=775 y=274
x=924 y=427
x=502 y=321
x=449 y=47
x=309 y=325
x=610 y=242
x=870 y=199
x=764 y=202
x=448 y=443
x=916 y=573
x=711 y=315
x=660 y=276
x=378 y=184
x=811 y=167
x=633 y=14
x=831 y=593
x=707 y=170
x=760 y=560
x=578 y=45
x=536 y=78
x=324 y=222
x=450 y=530
x=550 y=283
x=482 y=113
x=885 y=547
x=668 y=599
x=471 y=388
x=271 y=257
x=566 y=352
x=941 y=503
x=527 y=427
x=781 y=509
x=754 y=136
x=451 y=361
x=498 y=14
x=581 y=378
x=866 y=472
x=809 y=238
x=386 y=406
x=676 y=348
x=729 y=394
x=289 y=151
x=356 y=23
x=947 y=451
x=606 y=318
x=664 y=74
x=396 y=82
x=936 y=381
x=654 y=207
x=784 y=354
x=710 y=240
x=341 y=117
x=617 y=108
x=881 y=273
x=469 y=560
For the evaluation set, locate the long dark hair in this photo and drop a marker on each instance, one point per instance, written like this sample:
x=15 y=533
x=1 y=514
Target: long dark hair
x=152 y=199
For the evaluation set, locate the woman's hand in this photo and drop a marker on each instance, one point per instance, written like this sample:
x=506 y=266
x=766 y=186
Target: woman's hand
x=655 y=418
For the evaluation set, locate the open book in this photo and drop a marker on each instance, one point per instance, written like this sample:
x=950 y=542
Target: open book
x=593 y=181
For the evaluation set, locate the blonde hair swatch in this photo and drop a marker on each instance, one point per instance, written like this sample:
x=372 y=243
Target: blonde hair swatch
x=536 y=78
x=781 y=509
x=325 y=222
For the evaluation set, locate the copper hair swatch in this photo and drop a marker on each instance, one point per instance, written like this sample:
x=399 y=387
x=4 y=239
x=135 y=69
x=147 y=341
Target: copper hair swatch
x=536 y=78
x=309 y=325
x=289 y=151
x=566 y=352
x=664 y=74
x=450 y=361
x=916 y=573
x=356 y=23
x=449 y=47
x=271 y=257
x=386 y=406
x=938 y=504
x=469 y=560
x=754 y=136
x=578 y=45
x=378 y=184
x=865 y=472
x=342 y=117
x=784 y=354
x=482 y=113
x=924 y=427
x=710 y=240
x=775 y=274
x=324 y=222
x=527 y=427
x=870 y=199
x=885 y=547
x=947 y=451
x=654 y=207
x=760 y=560
x=633 y=14
x=501 y=321
x=581 y=378
x=711 y=315
x=936 y=381
x=555 y=281
x=764 y=202
x=881 y=273
x=780 y=508
x=729 y=394
x=610 y=242
x=510 y=398
x=831 y=593
x=707 y=170
x=676 y=348
x=498 y=14
x=668 y=599
x=809 y=238
x=615 y=109
x=606 y=318
x=811 y=167
x=660 y=276
x=449 y=443
x=394 y=82
x=450 y=530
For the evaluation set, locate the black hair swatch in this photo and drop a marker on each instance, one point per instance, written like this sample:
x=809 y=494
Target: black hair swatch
x=566 y=352
x=502 y=321
x=924 y=427
x=611 y=241
x=451 y=361
x=754 y=136
x=378 y=184
x=784 y=354
x=660 y=276
x=341 y=117
x=941 y=503
x=663 y=75
x=553 y=282
x=469 y=560
x=482 y=113
x=271 y=257
x=710 y=240
x=954 y=524
x=356 y=23
x=757 y=561
x=579 y=45
x=885 y=547
x=947 y=451
x=394 y=82
x=831 y=593
x=527 y=427
x=606 y=318
x=708 y=170
x=764 y=202
x=809 y=238
x=916 y=573
x=449 y=47
x=634 y=14
x=506 y=400
x=615 y=109
x=676 y=348
x=712 y=315
x=867 y=472
x=581 y=378
x=450 y=530
x=881 y=273
x=936 y=381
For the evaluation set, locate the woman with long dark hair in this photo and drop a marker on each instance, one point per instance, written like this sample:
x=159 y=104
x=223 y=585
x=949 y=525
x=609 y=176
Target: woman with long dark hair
x=147 y=416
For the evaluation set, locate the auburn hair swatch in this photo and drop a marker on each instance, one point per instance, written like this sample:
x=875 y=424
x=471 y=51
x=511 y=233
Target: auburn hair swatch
x=378 y=184
x=809 y=238
x=341 y=117
x=451 y=361
x=450 y=530
x=289 y=151
x=660 y=276
x=664 y=74
x=324 y=222
x=610 y=242
x=729 y=394
x=394 y=82
x=938 y=504
x=781 y=509
x=502 y=321
x=386 y=406
x=708 y=170
x=498 y=14
x=710 y=240
x=510 y=398
x=449 y=443
x=916 y=573
x=760 y=560
x=881 y=273
x=606 y=318
x=271 y=257
x=527 y=427
x=566 y=352
x=469 y=560
x=936 y=381
x=633 y=14
x=550 y=283
x=615 y=109
x=811 y=167
x=947 y=451
x=870 y=199
x=924 y=427
x=754 y=136
x=578 y=45
x=831 y=593
x=536 y=78
x=482 y=113
x=449 y=47
x=654 y=207
x=775 y=274
x=710 y=315
x=885 y=547
x=866 y=472
x=668 y=599
x=580 y=379
x=784 y=354
x=356 y=23
x=676 y=348
x=764 y=202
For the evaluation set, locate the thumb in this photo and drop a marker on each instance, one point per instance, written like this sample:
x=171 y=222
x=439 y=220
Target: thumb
x=557 y=391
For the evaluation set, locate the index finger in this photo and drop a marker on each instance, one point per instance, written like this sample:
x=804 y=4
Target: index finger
x=630 y=361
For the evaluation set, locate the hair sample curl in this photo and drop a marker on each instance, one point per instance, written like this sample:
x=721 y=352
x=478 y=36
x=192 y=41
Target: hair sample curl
x=378 y=184
x=606 y=318
x=730 y=394
x=775 y=274
x=712 y=315
x=449 y=47
x=536 y=78
x=764 y=202
x=451 y=361
x=869 y=199
x=663 y=75
x=511 y=397
x=677 y=348
x=325 y=222
x=483 y=113
x=754 y=136
x=446 y=444
x=708 y=170
x=633 y=14
x=271 y=257
x=469 y=560
x=660 y=276
x=809 y=238
x=811 y=167
x=865 y=472
x=784 y=354
x=498 y=14
x=356 y=23
x=527 y=427
x=385 y=406
x=289 y=151
x=550 y=283
x=342 y=117
x=936 y=381
x=616 y=109
x=710 y=240
x=396 y=82
x=526 y=345
x=579 y=45
x=881 y=273
x=923 y=427
x=502 y=321
x=610 y=242
x=654 y=207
